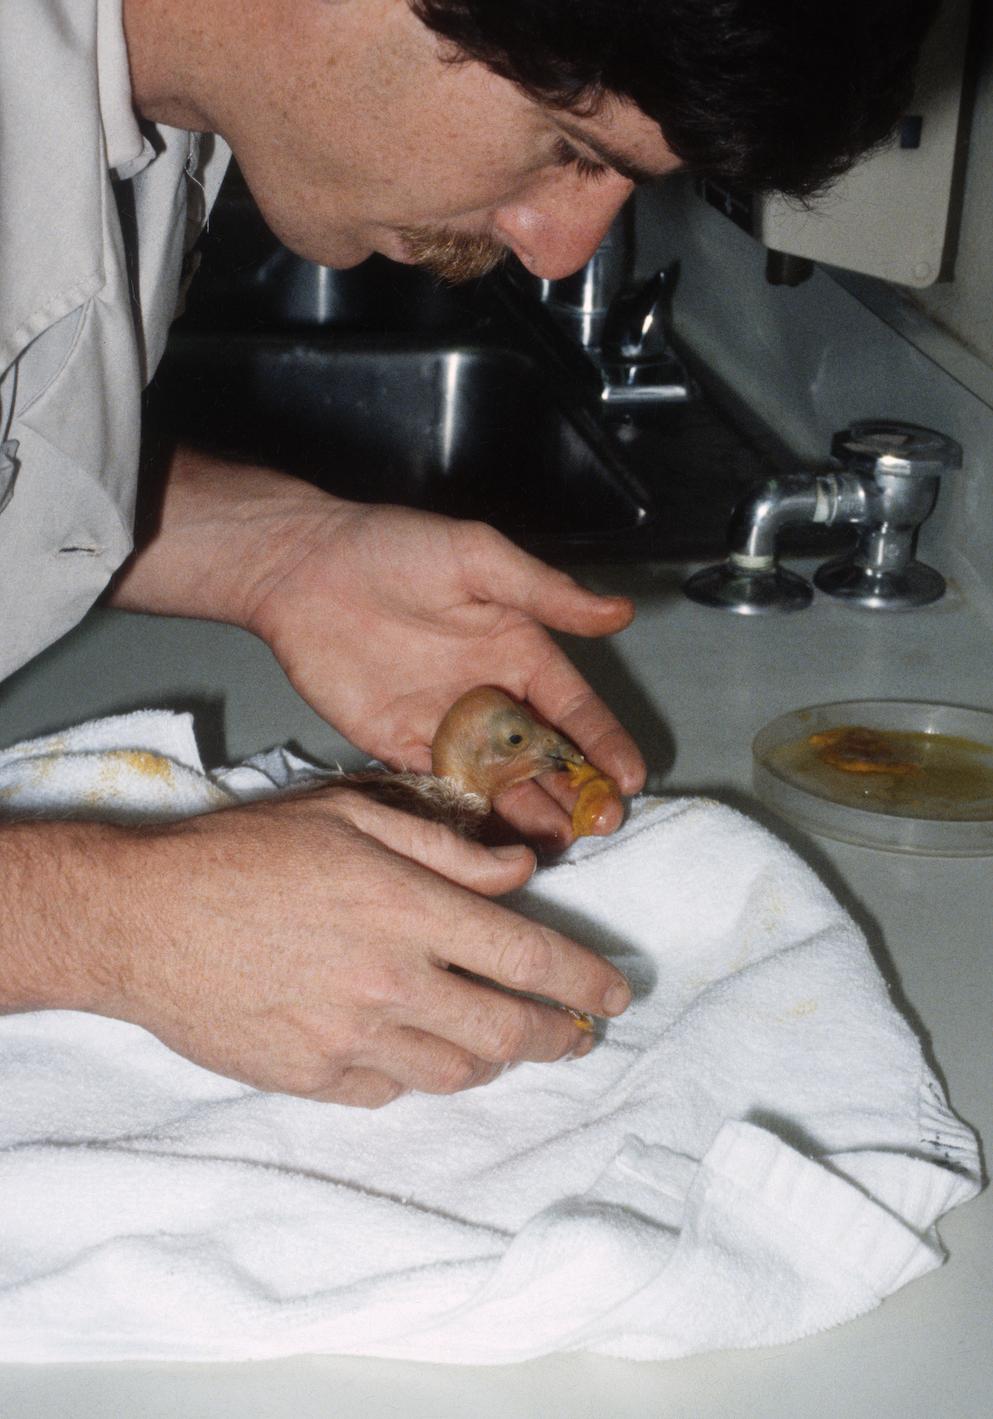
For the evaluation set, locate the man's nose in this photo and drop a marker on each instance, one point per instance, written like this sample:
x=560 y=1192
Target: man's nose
x=556 y=232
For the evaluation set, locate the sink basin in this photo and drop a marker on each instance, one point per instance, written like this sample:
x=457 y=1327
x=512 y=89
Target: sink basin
x=382 y=385
x=463 y=424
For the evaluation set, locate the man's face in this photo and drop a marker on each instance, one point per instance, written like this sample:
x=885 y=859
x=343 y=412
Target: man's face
x=362 y=137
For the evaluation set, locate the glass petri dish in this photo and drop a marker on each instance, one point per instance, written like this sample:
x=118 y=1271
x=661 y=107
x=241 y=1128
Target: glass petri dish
x=901 y=775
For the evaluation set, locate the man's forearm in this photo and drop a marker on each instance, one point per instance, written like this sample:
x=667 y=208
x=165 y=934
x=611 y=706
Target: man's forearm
x=55 y=881
x=221 y=534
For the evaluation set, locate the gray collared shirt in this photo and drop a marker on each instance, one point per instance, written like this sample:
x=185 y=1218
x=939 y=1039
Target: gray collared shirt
x=78 y=341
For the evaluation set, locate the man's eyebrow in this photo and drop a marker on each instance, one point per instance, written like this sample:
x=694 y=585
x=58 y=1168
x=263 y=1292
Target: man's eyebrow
x=634 y=172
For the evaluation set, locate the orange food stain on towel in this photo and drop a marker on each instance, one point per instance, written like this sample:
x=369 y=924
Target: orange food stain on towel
x=142 y=762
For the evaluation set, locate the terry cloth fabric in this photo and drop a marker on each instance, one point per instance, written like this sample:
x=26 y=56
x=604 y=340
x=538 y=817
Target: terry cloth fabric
x=754 y=1152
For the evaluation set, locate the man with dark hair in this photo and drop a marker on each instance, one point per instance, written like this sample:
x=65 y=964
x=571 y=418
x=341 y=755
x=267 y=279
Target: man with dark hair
x=303 y=945
x=761 y=94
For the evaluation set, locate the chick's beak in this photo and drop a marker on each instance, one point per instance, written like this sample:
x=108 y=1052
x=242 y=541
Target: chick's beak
x=559 y=753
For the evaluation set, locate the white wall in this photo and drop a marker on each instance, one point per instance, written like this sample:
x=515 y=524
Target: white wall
x=964 y=305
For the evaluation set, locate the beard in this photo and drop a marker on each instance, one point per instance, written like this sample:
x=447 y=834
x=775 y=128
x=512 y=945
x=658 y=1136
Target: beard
x=453 y=257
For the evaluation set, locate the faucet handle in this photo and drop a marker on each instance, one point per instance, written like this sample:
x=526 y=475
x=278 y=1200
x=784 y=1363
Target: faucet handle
x=887 y=490
x=638 y=368
x=634 y=329
x=879 y=446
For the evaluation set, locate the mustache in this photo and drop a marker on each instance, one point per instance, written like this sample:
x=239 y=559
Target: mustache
x=453 y=257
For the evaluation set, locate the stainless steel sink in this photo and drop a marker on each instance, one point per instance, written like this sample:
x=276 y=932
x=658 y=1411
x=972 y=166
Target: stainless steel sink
x=382 y=385
x=465 y=423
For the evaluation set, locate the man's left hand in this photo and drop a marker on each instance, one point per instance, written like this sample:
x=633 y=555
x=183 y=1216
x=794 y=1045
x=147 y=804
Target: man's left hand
x=383 y=616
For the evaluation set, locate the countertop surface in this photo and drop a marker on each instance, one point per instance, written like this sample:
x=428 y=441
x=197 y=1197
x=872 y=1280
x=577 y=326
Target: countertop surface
x=694 y=686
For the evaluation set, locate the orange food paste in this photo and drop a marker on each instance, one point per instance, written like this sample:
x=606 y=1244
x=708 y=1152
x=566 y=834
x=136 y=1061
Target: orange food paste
x=599 y=798
x=859 y=751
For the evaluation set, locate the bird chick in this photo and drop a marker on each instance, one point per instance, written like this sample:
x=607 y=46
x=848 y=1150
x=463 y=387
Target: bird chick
x=485 y=744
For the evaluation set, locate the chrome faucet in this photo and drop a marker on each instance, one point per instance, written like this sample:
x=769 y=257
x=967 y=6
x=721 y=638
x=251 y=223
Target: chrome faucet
x=886 y=486
x=581 y=302
x=620 y=324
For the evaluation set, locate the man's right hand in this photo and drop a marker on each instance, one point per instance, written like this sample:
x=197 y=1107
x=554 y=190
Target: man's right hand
x=301 y=945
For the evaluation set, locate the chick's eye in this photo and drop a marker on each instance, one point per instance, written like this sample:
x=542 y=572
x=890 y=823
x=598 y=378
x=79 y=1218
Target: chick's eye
x=515 y=738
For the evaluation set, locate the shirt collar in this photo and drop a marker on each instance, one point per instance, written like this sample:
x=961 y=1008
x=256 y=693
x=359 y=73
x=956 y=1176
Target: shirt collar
x=128 y=151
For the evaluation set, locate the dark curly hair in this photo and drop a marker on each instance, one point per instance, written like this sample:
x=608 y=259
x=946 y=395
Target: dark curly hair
x=767 y=95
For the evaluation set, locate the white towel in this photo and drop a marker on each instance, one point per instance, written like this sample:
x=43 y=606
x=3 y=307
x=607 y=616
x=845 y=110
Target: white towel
x=754 y=1152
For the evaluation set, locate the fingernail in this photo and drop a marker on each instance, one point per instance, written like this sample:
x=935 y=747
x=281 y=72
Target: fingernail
x=517 y=855
x=582 y=1047
x=617 y=999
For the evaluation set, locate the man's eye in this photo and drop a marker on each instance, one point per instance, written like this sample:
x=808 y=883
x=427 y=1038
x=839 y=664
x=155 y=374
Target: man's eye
x=567 y=156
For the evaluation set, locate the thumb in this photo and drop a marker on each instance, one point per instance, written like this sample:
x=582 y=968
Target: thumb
x=489 y=871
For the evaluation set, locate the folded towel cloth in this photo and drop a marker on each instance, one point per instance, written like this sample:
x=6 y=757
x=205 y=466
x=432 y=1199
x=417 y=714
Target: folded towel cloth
x=754 y=1152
